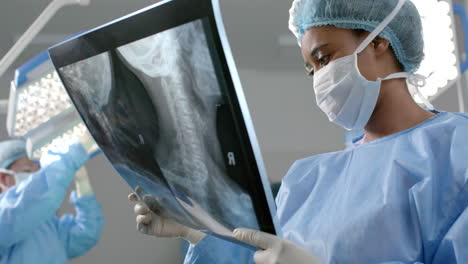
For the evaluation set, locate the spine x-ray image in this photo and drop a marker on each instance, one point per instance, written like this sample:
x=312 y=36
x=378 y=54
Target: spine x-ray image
x=156 y=109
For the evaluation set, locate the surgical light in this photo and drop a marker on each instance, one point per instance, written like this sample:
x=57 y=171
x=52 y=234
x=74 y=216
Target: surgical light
x=40 y=110
x=35 y=103
x=73 y=134
x=440 y=63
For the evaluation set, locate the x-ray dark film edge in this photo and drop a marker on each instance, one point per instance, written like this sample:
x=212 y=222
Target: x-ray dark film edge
x=239 y=119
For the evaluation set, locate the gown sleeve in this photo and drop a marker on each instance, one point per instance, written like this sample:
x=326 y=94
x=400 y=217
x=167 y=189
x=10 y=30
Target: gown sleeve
x=26 y=206
x=82 y=231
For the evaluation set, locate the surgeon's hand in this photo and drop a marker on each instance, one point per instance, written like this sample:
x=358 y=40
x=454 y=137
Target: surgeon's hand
x=275 y=250
x=68 y=157
x=150 y=223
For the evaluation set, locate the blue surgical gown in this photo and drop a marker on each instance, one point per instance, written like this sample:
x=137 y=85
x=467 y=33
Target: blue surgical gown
x=30 y=232
x=399 y=199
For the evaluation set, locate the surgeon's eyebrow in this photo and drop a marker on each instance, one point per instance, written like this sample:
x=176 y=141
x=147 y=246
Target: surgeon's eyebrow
x=316 y=50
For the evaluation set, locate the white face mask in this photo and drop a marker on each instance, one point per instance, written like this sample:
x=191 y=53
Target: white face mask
x=22 y=176
x=346 y=97
x=19 y=176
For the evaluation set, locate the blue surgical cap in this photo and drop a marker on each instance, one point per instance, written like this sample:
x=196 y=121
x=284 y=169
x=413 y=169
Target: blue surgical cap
x=10 y=151
x=404 y=32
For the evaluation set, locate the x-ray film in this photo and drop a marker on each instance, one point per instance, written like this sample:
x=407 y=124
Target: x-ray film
x=159 y=93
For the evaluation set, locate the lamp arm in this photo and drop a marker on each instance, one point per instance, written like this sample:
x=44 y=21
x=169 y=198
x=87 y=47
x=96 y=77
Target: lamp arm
x=34 y=29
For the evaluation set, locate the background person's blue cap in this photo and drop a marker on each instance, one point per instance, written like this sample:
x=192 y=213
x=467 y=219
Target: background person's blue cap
x=10 y=151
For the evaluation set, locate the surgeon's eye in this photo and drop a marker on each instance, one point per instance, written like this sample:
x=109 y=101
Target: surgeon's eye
x=324 y=60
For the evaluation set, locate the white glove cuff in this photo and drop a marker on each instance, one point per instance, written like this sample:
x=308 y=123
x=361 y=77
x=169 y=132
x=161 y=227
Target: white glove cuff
x=194 y=236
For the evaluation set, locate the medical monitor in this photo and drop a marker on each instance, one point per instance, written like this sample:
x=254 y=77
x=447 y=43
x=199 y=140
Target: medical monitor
x=159 y=92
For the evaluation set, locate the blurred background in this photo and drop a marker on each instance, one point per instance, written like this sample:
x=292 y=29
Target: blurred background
x=280 y=96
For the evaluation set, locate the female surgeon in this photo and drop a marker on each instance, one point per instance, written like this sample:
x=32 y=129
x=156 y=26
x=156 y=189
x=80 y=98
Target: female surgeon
x=401 y=194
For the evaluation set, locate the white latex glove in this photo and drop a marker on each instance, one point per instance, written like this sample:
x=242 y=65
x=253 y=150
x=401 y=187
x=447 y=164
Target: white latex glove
x=82 y=183
x=275 y=249
x=152 y=224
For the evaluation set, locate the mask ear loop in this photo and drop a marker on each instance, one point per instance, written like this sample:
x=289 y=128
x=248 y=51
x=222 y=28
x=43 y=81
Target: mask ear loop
x=380 y=27
x=415 y=81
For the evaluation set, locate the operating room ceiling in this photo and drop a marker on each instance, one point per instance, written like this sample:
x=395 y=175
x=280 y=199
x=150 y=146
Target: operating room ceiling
x=253 y=26
x=257 y=29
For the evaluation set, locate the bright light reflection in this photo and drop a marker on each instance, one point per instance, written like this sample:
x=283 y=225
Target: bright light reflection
x=439 y=50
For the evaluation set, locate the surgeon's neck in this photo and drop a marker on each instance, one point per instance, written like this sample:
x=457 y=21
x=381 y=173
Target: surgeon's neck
x=395 y=111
